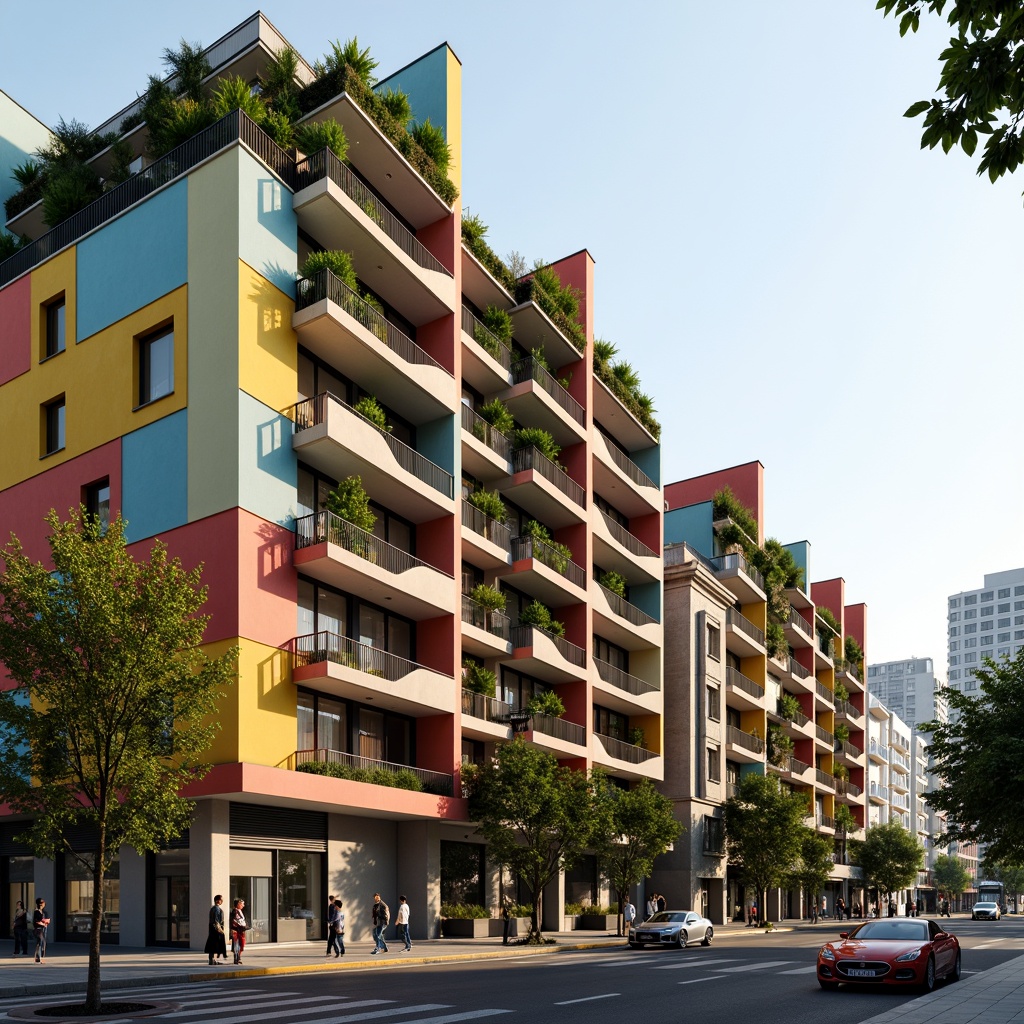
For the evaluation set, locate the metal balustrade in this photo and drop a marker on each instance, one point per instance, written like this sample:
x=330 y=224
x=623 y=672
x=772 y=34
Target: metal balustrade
x=734 y=677
x=342 y=650
x=487 y=709
x=735 y=561
x=325 y=285
x=542 y=551
x=797 y=620
x=796 y=669
x=825 y=779
x=623 y=751
x=622 y=680
x=846 y=788
x=313 y=411
x=824 y=821
x=531 y=368
x=795 y=765
x=473 y=423
x=824 y=735
x=632 y=544
x=474 y=613
x=796 y=717
x=478 y=331
x=844 y=707
x=627 y=465
x=559 y=728
x=747 y=740
x=523 y=636
x=488 y=528
x=437 y=783
x=824 y=692
x=524 y=459
x=326 y=164
x=744 y=625
x=847 y=748
x=633 y=615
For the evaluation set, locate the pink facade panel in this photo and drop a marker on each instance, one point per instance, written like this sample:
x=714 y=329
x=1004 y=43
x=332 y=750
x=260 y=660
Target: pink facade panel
x=267 y=578
x=830 y=594
x=856 y=623
x=15 y=328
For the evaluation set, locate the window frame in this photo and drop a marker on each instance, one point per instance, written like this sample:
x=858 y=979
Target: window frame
x=144 y=346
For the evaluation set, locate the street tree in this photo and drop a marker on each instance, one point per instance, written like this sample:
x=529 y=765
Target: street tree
x=890 y=858
x=537 y=816
x=764 y=829
x=979 y=90
x=978 y=755
x=813 y=866
x=642 y=827
x=1010 y=873
x=113 y=700
x=845 y=823
x=950 y=876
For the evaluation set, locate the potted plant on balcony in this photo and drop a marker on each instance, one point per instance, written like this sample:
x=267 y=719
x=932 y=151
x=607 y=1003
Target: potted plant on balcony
x=488 y=502
x=546 y=703
x=789 y=707
x=780 y=747
x=478 y=679
x=842 y=733
x=637 y=737
x=535 y=437
x=539 y=615
x=841 y=692
x=350 y=502
x=775 y=641
x=550 y=552
x=615 y=582
x=494 y=330
x=490 y=598
x=840 y=772
x=337 y=261
x=495 y=414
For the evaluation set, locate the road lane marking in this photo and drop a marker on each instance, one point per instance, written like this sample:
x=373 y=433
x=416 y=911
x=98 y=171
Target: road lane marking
x=801 y=970
x=694 y=981
x=589 y=999
x=349 y=1018
x=695 y=963
x=287 y=1012
x=763 y=965
x=267 y=1016
x=449 y=1018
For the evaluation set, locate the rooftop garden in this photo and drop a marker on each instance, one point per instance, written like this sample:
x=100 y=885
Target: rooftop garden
x=624 y=382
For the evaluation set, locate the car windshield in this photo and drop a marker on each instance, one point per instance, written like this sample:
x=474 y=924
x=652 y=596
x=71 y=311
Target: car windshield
x=984 y=906
x=668 y=916
x=903 y=931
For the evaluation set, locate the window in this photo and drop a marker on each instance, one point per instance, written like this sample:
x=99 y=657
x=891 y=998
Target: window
x=714 y=835
x=1018 y=634
x=96 y=498
x=1003 y=623
x=954 y=630
x=972 y=614
x=972 y=642
x=954 y=645
x=954 y=602
x=987 y=610
x=987 y=596
x=1005 y=592
x=54 y=340
x=1003 y=608
x=713 y=773
x=1017 y=591
x=986 y=641
x=971 y=599
x=53 y=426
x=156 y=365
x=971 y=628
x=714 y=704
x=714 y=642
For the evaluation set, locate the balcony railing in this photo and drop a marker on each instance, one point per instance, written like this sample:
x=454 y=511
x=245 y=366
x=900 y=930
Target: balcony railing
x=844 y=707
x=559 y=728
x=901 y=760
x=623 y=680
x=734 y=561
x=794 y=765
x=313 y=411
x=487 y=341
x=623 y=751
x=487 y=709
x=632 y=544
x=530 y=368
x=523 y=636
x=433 y=782
x=797 y=620
x=734 y=677
x=825 y=779
x=732 y=789
x=824 y=821
x=797 y=669
x=824 y=735
x=824 y=692
x=477 y=615
x=324 y=526
x=531 y=547
x=796 y=717
x=846 y=788
x=846 y=747
x=342 y=650
x=531 y=458
x=845 y=665
x=744 y=625
x=747 y=740
x=475 y=424
x=481 y=523
x=879 y=749
x=232 y=128
x=635 y=616
x=627 y=465
x=326 y=164
x=324 y=285
x=826 y=644
x=880 y=791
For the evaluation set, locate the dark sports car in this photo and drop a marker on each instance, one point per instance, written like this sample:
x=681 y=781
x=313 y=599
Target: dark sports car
x=892 y=951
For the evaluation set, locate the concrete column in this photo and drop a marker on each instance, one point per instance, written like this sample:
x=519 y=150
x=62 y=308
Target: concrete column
x=553 y=904
x=44 y=873
x=133 y=897
x=419 y=877
x=209 y=864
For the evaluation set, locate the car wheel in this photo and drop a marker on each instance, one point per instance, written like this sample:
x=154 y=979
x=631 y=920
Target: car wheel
x=708 y=936
x=682 y=940
x=829 y=986
x=954 y=974
x=929 y=975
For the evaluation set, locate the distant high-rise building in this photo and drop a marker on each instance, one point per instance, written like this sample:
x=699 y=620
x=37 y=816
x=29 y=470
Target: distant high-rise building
x=909 y=688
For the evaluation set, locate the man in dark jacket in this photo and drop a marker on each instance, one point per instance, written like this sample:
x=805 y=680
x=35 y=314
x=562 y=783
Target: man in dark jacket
x=336 y=929
x=215 y=944
x=381 y=916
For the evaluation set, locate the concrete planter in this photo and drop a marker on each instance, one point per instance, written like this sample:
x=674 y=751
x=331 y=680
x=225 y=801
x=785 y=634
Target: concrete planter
x=569 y=922
x=518 y=927
x=466 y=927
x=596 y=922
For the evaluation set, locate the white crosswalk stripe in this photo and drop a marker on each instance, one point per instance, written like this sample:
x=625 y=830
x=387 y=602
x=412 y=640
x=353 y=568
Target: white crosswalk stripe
x=302 y=1005
x=801 y=970
x=759 y=966
x=695 y=963
x=449 y=1018
x=351 y=1018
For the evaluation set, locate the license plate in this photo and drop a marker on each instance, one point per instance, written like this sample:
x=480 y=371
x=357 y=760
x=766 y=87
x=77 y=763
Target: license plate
x=645 y=937
x=860 y=972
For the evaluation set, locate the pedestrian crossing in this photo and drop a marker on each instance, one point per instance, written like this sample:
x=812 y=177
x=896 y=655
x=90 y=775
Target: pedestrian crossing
x=689 y=961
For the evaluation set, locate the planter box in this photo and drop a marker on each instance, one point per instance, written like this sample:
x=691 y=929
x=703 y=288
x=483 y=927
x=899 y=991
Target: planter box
x=569 y=923
x=597 y=922
x=466 y=927
x=518 y=926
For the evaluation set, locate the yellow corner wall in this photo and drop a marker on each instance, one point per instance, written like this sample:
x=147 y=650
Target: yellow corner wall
x=267 y=350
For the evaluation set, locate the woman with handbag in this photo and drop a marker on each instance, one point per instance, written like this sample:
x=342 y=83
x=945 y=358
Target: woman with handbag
x=238 y=929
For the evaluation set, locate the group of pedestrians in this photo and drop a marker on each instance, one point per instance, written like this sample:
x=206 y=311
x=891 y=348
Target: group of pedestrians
x=40 y=922
x=237 y=926
x=654 y=905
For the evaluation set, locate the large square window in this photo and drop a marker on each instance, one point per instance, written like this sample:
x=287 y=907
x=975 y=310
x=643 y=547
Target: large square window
x=156 y=365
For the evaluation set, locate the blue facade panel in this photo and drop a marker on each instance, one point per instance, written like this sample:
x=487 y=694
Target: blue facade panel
x=649 y=460
x=425 y=82
x=268 y=227
x=133 y=260
x=801 y=552
x=692 y=525
x=154 y=475
x=268 y=470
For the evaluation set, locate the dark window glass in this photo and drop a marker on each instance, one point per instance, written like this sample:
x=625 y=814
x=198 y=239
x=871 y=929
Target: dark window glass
x=156 y=366
x=55 y=337
x=97 y=502
x=54 y=440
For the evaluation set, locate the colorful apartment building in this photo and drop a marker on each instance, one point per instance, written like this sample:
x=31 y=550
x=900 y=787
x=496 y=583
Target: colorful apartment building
x=752 y=688
x=161 y=355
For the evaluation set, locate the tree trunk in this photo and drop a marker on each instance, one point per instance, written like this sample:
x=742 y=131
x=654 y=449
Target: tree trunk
x=93 y=996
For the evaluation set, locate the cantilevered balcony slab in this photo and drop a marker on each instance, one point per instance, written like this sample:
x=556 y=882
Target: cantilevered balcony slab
x=486 y=362
x=618 y=420
x=627 y=694
x=350 y=670
x=543 y=572
x=799 y=632
x=484 y=718
x=618 y=550
x=533 y=328
x=557 y=736
x=480 y=286
x=622 y=482
x=625 y=760
x=485 y=542
x=537 y=399
x=742 y=746
x=334 y=323
x=545 y=656
x=486 y=451
x=795 y=675
x=550 y=495
x=335 y=552
x=742 y=691
x=742 y=637
x=621 y=622
x=485 y=633
x=332 y=437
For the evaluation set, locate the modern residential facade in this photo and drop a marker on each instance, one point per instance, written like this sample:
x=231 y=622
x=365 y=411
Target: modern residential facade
x=732 y=708
x=910 y=689
x=161 y=356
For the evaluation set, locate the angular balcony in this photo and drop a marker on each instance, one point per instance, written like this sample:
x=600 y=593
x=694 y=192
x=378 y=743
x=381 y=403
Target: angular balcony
x=622 y=481
x=545 y=656
x=824 y=737
x=546 y=573
x=824 y=693
x=625 y=759
x=899 y=782
x=486 y=362
x=533 y=328
x=537 y=399
x=741 y=691
x=621 y=622
x=849 y=673
x=620 y=421
x=848 y=791
x=344 y=330
x=799 y=677
x=332 y=437
x=340 y=212
x=745 y=582
x=742 y=636
x=824 y=779
x=791 y=768
x=485 y=542
x=557 y=736
x=824 y=647
x=484 y=718
x=480 y=284
x=799 y=632
x=336 y=552
x=544 y=490
x=354 y=768
x=345 y=668
x=485 y=633
x=486 y=451
x=848 y=753
x=625 y=693
x=620 y=551
x=743 y=746
x=844 y=709
x=795 y=724
x=878 y=752
x=877 y=793
x=901 y=742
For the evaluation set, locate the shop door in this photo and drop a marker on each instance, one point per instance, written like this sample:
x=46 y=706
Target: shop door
x=171 y=924
x=258 y=907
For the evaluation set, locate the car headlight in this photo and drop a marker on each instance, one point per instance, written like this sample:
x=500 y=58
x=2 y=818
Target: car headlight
x=912 y=955
x=826 y=953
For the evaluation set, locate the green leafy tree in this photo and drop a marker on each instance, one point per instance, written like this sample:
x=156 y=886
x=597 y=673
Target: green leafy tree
x=764 y=826
x=537 y=816
x=979 y=90
x=349 y=501
x=813 y=866
x=845 y=821
x=978 y=757
x=890 y=858
x=114 y=702
x=950 y=876
x=1010 y=873
x=642 y=829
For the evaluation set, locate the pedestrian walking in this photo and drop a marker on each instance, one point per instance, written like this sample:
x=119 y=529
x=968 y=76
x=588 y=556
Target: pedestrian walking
x=336 y=930
x=814 y=912
x=661 y=904
x=402 y=922
x=215 y=944
x=20 y=928
x=40 y=922
x=506 y=919
x=651 y=908
x=239 y=926
x=381 y=917
x=628 y=916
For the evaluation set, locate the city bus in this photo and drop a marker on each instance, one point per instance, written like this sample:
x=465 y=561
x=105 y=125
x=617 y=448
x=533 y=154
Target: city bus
x=992 y=892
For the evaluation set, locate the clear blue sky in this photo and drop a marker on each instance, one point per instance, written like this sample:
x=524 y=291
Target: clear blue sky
x=795 y=281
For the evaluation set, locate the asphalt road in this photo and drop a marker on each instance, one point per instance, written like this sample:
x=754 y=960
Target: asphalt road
x=741 y=977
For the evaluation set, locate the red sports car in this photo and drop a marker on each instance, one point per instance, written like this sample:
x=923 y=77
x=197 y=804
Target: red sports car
x=890 y=951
